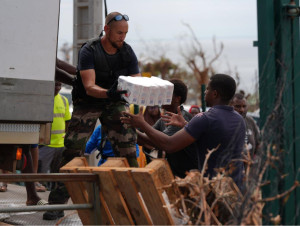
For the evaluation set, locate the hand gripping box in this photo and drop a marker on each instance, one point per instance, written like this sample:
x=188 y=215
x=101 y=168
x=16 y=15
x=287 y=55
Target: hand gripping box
x=133 y=89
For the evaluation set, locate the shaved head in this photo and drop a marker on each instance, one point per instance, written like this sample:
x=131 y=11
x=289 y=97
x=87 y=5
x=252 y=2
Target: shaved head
x=110 y=16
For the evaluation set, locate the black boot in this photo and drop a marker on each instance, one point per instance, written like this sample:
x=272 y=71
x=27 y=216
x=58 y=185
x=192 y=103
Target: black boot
x=53 y=215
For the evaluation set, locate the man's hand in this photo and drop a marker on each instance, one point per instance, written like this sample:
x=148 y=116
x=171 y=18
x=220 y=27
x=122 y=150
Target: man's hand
x=174 y=119
x=136 y=121
x=114 y=94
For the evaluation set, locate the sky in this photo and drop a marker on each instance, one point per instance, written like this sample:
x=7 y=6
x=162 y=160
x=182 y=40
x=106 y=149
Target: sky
x=156 y=27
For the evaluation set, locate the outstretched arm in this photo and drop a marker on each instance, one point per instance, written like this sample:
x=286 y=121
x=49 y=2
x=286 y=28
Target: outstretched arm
x=144 y=140
x=64 y=72
x=63 y=77
x=69 y=68
x=170 y=144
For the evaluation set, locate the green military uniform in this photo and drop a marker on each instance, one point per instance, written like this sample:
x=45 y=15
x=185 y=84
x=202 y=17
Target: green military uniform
x=122 y=138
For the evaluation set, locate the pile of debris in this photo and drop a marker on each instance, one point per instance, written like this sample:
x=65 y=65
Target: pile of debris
x=214 y=202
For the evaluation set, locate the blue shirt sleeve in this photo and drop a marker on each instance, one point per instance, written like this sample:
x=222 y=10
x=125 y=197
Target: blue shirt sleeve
x=197 y=126
x=94 y=141
x=137 y=150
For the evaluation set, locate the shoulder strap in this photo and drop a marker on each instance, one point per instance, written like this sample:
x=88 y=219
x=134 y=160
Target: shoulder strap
x=102 y=143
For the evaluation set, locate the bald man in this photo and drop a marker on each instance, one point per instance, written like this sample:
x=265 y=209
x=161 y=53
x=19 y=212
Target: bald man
x=95 y=96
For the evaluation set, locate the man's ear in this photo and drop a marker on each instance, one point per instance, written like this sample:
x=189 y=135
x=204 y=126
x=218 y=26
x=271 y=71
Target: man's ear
x=215 y=94
x=106 y=28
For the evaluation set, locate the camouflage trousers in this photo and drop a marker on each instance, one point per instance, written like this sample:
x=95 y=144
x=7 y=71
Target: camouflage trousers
x=122 y=138
x=82 y=124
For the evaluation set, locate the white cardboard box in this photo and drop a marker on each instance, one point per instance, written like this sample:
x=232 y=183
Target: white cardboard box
x=146 y=91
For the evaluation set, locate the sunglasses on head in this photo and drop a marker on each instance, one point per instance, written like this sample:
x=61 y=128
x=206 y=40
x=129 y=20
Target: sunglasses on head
x=118 y=18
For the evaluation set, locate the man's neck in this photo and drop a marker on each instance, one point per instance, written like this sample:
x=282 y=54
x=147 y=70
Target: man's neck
x=220 y=102
x=108 y=48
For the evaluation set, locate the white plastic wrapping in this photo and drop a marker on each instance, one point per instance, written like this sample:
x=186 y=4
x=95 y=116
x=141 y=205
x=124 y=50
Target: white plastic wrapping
x=146 y=91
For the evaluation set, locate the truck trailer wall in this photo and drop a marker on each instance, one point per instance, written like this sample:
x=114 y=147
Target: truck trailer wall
x=28 y=43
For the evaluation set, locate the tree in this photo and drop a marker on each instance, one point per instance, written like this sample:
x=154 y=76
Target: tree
x=163 y=67
x=200 y=64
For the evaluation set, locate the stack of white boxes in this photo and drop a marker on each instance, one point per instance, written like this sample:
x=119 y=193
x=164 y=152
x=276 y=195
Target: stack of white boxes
x=146 y=91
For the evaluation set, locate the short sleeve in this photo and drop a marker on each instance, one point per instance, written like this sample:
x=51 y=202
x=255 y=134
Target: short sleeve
x=133 y=67
x=86 y=58
x=197 y=126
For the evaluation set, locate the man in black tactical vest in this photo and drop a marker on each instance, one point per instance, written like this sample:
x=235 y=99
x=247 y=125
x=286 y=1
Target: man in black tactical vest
x=95 y=96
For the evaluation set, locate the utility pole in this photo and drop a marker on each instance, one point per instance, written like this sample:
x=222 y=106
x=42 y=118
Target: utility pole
x=88 y=23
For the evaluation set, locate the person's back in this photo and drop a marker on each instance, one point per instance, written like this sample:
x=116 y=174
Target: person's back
x=220 y=125
x=61 y=114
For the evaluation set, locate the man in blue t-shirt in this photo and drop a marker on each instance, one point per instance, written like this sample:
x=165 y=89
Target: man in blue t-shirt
x=221 y=127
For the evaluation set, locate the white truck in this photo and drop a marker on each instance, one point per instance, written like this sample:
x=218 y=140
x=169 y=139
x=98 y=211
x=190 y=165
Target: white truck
x=28 y=43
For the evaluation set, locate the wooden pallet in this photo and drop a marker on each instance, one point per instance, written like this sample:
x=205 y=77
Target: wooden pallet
x=127 y=195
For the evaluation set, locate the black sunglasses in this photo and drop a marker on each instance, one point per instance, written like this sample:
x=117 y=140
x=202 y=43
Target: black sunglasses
x=118 y=18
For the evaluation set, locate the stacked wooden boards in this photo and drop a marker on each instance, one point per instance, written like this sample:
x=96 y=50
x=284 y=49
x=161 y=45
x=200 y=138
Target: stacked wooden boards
x=127 y=195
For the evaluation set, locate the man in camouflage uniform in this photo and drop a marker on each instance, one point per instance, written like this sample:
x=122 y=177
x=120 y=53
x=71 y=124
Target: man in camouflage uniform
x=95 y=96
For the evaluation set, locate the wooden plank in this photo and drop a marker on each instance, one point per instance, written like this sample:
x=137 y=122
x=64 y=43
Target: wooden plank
x=113 y=197
x=135 y=203
x=116 y=162
x=152 y=198
x=76 y=162
x=104 y=217
x=161 y=172
x=163 y=180
x=77 y=190
x=105 y=213
x=79 y=195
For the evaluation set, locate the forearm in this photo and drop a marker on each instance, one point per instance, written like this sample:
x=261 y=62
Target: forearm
x=89 y=82
x=144 y=140
x=161 y=140
x=96 y=91
x=63 y=76
x=66 y=67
